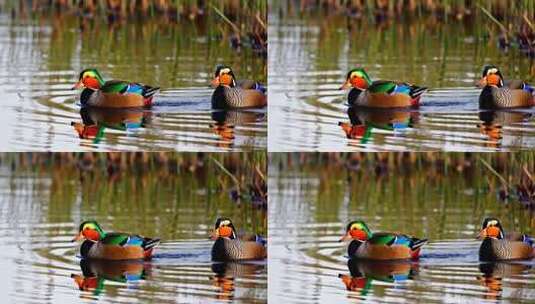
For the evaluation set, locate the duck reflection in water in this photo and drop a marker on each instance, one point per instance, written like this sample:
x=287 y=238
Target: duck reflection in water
x=225 y=122
x=364 y=272
x=493 y=274
x=364 y=120
x=96 y=120
x=492 y=123
x=96 y=272
x=225 y=274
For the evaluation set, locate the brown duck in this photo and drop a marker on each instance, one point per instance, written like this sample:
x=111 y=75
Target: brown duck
x=497 y=94
x=230 y=94
x=497 y=245
x=228 y=247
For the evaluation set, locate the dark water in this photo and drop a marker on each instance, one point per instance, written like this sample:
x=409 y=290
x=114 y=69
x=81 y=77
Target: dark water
x=310 y=207
x=309 y=57
x=41 y=208
x=42 y=56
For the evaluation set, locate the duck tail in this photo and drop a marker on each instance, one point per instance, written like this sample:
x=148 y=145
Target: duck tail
x=416 y=246
x=259 y=87
x=148 y=246
x=148 y=92
x=416 y=92
x=260 y=240
x=529 y=89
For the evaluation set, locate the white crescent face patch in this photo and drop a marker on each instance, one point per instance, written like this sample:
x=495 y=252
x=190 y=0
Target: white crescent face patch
x=224 y=71
x=492 y=71
x=224 y=223
x=492 y=223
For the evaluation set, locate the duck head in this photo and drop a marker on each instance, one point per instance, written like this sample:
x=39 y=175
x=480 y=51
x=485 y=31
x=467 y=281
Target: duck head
x=89 y=78
x=491 y=228
x=90 y=230
x=358 y=79
x=223 y=229
x=223 y=76
x=491 y=76
x=357 y=230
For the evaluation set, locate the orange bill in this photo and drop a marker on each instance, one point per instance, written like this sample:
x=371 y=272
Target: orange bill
x=345 y=237
x=346 y=85
x=215 y=82
x=78 y=237
x=77 y=85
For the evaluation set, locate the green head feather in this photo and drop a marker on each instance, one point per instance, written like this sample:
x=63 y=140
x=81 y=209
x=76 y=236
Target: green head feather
x=361 y=73
x=360 y=225
x=93 y=73
x=93 y=225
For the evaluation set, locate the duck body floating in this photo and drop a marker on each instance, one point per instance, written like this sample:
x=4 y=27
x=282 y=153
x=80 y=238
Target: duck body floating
x=102 y=245
x=113 y=93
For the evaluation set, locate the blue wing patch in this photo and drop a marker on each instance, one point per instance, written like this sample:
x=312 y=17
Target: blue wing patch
x=134 y=240
x=401 y=89
x=134 y=88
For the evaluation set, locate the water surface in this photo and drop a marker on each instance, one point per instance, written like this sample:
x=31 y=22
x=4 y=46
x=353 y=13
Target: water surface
x=42 y=56
x=310 y=55
x=310 y=206
x=42 y=206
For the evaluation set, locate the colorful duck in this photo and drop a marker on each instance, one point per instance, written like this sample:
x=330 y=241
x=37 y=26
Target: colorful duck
x=229 y=247
x=113 y=246
x=497 y=94
x=112 y=93
x=498 y=246
x=382 y=245
x=380 y=93
x=230 y=94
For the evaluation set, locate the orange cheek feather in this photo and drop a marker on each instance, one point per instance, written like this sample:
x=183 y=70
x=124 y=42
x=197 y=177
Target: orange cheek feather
x=91 y=234
x=358 y=82
x=493 y=231
x=91 y=83
x=493 y=79
x=225 y=79
x=358 y=234
x=225 y=231
x=215 y=82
